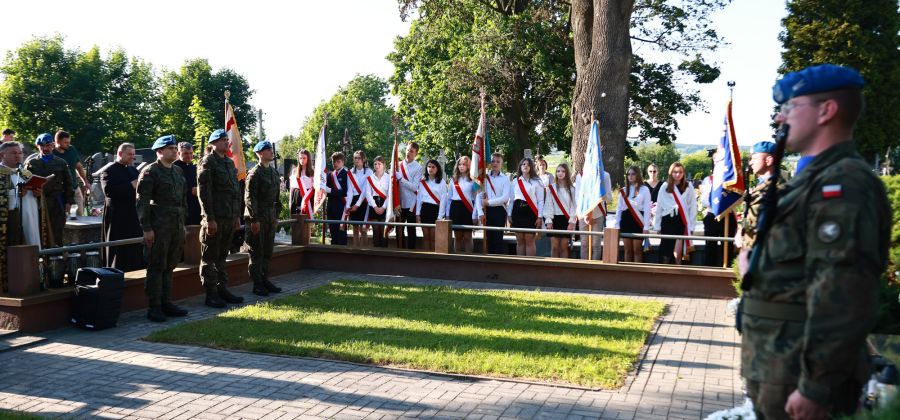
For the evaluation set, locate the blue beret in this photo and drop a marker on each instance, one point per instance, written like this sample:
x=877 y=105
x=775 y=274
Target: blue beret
x=45 y=138
x=263 y=145
x=764 y=147
x=816 y=79
x=218 y=134
x=164 y=141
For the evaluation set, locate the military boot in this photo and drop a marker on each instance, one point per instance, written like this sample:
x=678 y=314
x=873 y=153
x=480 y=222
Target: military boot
x=169 y=309
x=212 y=298
x=155 y=314
x=259 y=289
x=270 y=286
x=227 y=296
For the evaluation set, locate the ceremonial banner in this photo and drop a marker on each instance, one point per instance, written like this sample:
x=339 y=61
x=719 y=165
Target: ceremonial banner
x=235 y=150
x=319 y=171
x=728 y=178
x=481 y=150
x=592 y=188
x=394 y=185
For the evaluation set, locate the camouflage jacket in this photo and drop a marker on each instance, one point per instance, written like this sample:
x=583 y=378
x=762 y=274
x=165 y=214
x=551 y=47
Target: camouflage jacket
x=817 y=278
x=263 y=194
x=218 y=188
x=61 y=184
x=161 y=203
x=752 y=200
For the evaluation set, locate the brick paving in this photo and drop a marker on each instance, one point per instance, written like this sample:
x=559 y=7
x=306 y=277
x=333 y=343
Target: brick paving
x=690 y=369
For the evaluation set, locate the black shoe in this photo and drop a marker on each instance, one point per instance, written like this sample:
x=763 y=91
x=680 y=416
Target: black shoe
x=227 y=296
x=155 y=314
x=169 y=309
x=260 y=290
x=213 y=300
x=270 y=287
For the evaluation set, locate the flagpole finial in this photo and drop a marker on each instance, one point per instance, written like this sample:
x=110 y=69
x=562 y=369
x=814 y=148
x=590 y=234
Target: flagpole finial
x=227 y=94
x=731 y=89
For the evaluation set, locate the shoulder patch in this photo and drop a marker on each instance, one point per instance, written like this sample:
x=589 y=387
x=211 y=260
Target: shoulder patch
x=828 y=232
x=832 y=191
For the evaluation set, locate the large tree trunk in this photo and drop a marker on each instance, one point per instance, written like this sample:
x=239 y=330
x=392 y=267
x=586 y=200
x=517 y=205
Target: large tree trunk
x=602 y=65
x=516 y=120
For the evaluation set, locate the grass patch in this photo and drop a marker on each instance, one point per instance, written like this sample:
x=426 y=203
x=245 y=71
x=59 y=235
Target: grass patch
x=571 y=338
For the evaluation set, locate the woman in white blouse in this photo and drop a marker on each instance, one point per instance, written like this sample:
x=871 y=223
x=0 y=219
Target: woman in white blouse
x=430 y=199
x=461 y=196
x=559 y=210
x=301 y=184
x=675 y=194
x=376 y=197
x=527 y=208
x=633 y=212
x=357 y=180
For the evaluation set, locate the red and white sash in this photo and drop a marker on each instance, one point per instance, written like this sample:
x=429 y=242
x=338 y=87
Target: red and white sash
x=528 y=200
x=491 y=183
x=403 y=170
x=558 y=202
x=355 y=185
x=634 y=214
x=431 y=193
x=462 y=197
x=377 y=191
x=334 y=179
x=683 y=214
x=306 y=205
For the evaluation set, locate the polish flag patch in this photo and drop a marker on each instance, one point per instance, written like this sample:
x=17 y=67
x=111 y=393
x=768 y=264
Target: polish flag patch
x=831 y=191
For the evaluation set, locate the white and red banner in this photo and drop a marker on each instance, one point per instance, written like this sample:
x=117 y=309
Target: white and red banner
x=235 y=149
x=319 y=175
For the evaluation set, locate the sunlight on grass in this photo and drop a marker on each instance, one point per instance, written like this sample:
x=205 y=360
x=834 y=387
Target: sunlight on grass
x=556 y=337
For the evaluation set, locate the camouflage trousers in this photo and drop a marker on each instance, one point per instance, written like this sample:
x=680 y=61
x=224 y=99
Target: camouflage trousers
x=261 y=246
x=769 y=399
x=162 y=258
x=213 y=251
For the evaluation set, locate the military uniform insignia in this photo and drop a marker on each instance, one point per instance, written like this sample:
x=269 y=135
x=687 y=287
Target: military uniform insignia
x=829 y=232
x=831 y=191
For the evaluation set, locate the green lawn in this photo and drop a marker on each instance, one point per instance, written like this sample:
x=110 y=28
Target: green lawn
x=555 y=337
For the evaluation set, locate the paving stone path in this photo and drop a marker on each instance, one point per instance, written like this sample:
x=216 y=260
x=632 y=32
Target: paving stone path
x=690 y=369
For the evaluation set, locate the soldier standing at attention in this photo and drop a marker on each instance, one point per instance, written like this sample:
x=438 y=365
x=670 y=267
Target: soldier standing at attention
x=220 y=203
x=57 y=194
x=811 y=295
x=761 y=162
x=263 y=206
x=161 y=208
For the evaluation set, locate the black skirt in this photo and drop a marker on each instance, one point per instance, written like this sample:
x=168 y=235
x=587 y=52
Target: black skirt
x=459 y=214
x=629 y=224
x=522 y=216
x=360 y=214
x=374 y=216
x=670 y=225
x=428 y=213
x=559 y=223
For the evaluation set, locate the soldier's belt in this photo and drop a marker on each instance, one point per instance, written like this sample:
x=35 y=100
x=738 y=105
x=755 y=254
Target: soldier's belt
x=772 y=310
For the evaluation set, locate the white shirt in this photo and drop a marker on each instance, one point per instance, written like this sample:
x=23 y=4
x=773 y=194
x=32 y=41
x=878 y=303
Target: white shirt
x=566 y=197
x=465 y=184
x=306 y=182
x=641 y=205
x=409 y=184
x=500 y=193
x=360 y=176
x=545 y=179
x=439 y=189
x=607 y=198
x=705 y=189
x=382 y=184
x=535 y=190
x=666 y=206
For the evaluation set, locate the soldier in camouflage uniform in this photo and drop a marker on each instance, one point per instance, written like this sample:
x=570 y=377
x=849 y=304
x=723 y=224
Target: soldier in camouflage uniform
x=57 y=194
x=220 y=203
x=761 y=162
x=814 y=293
x=263 y=206
x=161 y=209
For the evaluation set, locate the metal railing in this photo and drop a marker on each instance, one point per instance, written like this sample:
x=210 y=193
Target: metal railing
x=688 y=237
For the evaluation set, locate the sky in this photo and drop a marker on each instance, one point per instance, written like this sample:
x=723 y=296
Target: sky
x=297 y=54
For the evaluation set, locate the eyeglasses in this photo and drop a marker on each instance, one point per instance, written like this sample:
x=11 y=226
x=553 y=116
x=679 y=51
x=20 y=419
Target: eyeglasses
x=651 y=172
x=786 y=107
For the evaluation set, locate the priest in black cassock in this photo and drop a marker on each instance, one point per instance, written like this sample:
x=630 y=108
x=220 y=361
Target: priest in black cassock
x=189 y=169
x=120 y=220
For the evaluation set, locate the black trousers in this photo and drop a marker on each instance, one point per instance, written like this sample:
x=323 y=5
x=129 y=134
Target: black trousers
x=409 y=216
x=496 y=217
x=714 y=252
x=335 y=211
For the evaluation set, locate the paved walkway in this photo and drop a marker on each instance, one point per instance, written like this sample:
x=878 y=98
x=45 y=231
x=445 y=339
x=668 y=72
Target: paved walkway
x=690 y=370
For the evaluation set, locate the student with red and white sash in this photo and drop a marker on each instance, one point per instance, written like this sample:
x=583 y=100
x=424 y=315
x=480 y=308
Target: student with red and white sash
x=597 y=219
x=676 y=212
x=430 y=199
x=336 y=186
x=358 y=180
x=528 y=205
x=461 y=211
x=633 y=212
x=497 y=192
x=559 y=210
x=301 y=184
x=376 y=196
x=409 y=174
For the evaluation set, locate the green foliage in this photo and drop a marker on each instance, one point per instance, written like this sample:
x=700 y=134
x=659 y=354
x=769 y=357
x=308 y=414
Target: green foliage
x=862 y=34
x=661 y=155
x=361 y=109
x=697 y=165
x=203 y=121
x=570 y=338
x=889 y=311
